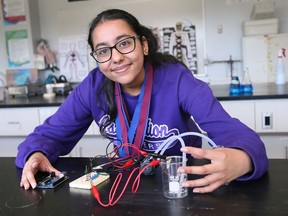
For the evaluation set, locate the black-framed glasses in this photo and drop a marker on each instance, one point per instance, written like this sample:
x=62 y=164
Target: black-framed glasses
x=123 y=46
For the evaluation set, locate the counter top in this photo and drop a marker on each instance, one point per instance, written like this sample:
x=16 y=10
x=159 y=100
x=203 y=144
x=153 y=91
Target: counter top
x=221 y=92
x=260 y=91
x=32 y=101
x=265 y=196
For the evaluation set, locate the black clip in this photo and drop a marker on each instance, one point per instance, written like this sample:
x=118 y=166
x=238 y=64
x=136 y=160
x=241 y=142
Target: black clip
x=155 y=155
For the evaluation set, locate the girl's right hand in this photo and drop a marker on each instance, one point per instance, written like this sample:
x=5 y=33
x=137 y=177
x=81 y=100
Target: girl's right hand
x=36 y=162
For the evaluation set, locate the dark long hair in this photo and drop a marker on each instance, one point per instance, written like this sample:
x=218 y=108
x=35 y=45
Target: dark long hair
x=154 y=57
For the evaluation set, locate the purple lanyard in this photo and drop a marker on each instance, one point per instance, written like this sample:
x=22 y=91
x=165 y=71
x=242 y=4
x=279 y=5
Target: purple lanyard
x=134 y=133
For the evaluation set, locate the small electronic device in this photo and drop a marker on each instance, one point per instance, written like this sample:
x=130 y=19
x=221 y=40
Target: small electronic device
x=60 y=88
x=21 y=90
x=51 y=181
x=150 y=170
x=86 y=181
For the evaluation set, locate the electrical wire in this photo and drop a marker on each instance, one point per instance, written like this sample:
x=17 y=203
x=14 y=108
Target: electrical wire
x=135 y=185
x=129 y=161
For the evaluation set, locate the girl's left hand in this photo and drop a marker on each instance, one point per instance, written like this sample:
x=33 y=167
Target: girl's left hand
x=226 y=165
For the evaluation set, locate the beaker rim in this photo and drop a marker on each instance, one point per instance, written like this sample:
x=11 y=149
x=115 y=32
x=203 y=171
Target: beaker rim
x=164 y=161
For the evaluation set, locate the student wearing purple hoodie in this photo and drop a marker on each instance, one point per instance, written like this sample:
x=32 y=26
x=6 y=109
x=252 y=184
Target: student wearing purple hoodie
x=140 y=96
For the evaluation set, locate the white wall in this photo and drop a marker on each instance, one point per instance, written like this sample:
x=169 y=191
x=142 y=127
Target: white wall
x=220 y=46
x=31 y=11
x=74 y=18
x=214 y=46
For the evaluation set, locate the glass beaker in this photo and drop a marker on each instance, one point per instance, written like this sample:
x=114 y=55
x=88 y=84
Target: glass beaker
x=247 y=87
x=234 y=87
x=172 y=179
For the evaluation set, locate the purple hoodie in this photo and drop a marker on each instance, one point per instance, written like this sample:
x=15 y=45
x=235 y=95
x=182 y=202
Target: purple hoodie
x=176 y=96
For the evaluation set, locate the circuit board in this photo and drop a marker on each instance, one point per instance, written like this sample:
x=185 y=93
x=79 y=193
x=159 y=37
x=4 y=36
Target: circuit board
x=51 y=181
x=86 y=181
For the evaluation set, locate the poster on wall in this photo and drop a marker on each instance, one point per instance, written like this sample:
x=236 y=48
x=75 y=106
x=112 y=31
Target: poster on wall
x=21 y=76
x=13 y=12
x=17 y=45
x=180 y=41
x=73 y=55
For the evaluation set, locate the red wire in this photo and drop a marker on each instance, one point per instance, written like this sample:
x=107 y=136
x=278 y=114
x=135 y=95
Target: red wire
x=116 y=183
x=126 y=162
x=137 y=179
x=122 y=163
x=113 y=190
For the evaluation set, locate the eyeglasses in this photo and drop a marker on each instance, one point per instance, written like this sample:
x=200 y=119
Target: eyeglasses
x=124 y=46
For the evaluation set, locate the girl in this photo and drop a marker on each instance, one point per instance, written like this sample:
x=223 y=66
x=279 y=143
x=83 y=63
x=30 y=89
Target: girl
x=140 y=96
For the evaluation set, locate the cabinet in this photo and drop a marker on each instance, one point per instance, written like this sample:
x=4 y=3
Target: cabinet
x=22 y=121
x=18 y=121
x=242 y=110
x=90 y=145
x=268 y=118
x=276 y=145
x=271 y=116
x=45 y=112
x=263 y=116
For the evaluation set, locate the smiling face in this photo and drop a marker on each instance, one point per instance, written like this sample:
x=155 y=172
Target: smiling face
x=126 y=69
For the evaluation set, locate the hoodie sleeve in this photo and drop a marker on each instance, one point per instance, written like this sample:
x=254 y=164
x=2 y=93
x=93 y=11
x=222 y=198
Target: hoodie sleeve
x=60 y=133
x=224 y=130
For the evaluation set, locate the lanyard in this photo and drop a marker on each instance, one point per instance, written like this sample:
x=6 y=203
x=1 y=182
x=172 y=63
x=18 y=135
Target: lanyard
x=133 y=133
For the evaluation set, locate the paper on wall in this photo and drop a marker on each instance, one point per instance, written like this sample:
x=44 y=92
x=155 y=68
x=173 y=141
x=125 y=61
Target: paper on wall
x=73 y=56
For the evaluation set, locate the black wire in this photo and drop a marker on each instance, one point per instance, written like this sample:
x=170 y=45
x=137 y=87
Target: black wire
x=111 y=157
